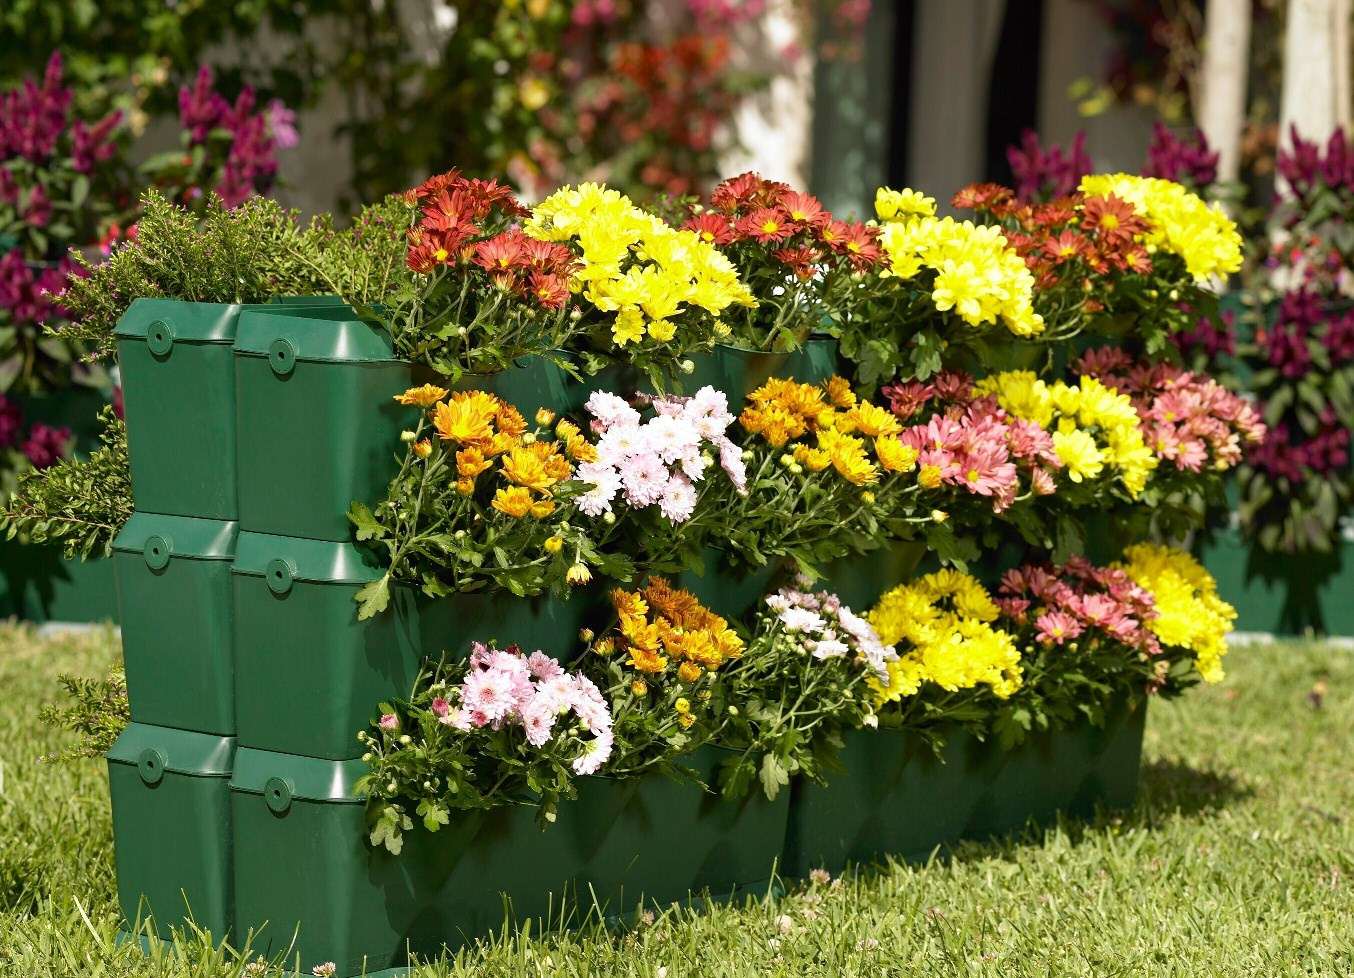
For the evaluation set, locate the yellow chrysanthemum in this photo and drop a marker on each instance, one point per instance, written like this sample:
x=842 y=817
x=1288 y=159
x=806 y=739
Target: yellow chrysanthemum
x=1179 y=220
x=978 y=274
x=941 y=626
x=425 y=396
x=635 y=265
x=1190 y=614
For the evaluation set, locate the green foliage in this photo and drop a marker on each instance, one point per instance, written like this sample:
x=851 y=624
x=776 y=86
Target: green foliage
x=243 y=255
x=78 y=503
x=96 y=714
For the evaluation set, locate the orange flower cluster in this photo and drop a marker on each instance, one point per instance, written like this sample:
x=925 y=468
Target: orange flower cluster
x=661 y=624
x=467 y=224
x=1099 y=234
x=485 y=432
x=844 y=429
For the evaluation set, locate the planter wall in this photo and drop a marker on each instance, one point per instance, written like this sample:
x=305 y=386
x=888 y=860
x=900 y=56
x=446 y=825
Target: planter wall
x=738 y=372
x=309 y=674
x=38 y=584
x=171 y=828
x=303 y=865
x=896 y=796
x=1283 y=595
x=318 y=426
x=174 y=603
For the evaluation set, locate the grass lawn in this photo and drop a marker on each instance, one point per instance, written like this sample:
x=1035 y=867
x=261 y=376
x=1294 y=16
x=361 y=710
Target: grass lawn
x=1238 y=861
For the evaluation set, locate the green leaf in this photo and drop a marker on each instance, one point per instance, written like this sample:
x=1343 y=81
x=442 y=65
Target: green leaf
x=374 y=598
x=773 y=776
x=368 y=527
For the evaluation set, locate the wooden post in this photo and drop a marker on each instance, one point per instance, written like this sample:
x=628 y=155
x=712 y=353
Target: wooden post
x=1222 y=103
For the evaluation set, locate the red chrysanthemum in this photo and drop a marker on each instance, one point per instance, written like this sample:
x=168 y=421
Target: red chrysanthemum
x=765 y=225
x=712 y=228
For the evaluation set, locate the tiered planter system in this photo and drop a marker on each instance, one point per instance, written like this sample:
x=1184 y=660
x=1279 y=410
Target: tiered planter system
x=251 y=429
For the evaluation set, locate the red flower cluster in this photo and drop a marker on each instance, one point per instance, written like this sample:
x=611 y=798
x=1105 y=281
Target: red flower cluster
x=1079 y=601
x=797 y=229
x=465 y=223
x=1073 y=235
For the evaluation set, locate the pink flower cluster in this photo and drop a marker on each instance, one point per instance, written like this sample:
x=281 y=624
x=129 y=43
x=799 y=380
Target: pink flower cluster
x=1188 y=420
x=251 y=162
x=829 y=629
x=972 y=442
x=659 y=461
x=1079 y=600
x=508 y=688
x=27 y=290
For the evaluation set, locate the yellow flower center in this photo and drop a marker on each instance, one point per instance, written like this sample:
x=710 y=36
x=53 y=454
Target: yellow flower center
x=770 y=227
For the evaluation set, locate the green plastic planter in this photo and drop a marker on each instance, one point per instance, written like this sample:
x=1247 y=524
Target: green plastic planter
x=304 y=867
x=178 y=385
x=1281 y=595
x=726 y=590
x=738 y=371
x=38 y=584
x=175 y=606
x=896 y=796
x=318 y=426
x=171 y=828
x=309 y=674
x=861 y=579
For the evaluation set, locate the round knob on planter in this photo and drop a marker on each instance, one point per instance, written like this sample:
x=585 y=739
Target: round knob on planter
x=279 y=574
x=282 y=356
x=159 y=337
x=277 y=793
x=157 y=552
x=151 y=765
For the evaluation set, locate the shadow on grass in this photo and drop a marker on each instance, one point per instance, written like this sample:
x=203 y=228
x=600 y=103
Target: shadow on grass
x=1170 y=786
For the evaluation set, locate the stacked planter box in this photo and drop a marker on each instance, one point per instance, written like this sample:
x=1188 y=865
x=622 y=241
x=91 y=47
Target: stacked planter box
x=251 y=430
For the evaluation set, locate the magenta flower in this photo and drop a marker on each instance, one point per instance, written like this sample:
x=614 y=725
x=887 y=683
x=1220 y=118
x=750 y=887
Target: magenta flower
x=390 y=721
x=46 y=445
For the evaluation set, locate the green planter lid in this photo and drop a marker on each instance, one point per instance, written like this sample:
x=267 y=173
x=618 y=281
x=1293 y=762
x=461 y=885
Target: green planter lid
x=284 y=777
x=156 y=750
x=163 y=322
x=162 y=537
x=287 y=559
x=322 y=334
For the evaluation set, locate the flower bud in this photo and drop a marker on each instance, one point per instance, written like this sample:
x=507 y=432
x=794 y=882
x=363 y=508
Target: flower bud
x=787 y=459
x=939 y=515
x=867 y=497
x=608 y=518
x=406 y=740
x=578 y=574
x=796 y=468
x=688 y=366
x=586 y=634
x=554 y=545
x=406 y=435
x=391 y=787
x=423 y=448
x=545 y=417
x=366 y=758
x=529 y=438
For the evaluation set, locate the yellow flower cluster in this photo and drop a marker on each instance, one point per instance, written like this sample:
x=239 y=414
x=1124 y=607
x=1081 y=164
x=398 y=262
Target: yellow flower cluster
x=485 y=432
x=978 y=274
x=1093 y=426
x=636 y=265
x=661 y=623
x=941 y=624
x=856 y=438
x=1190 y=615
x=1181 y=222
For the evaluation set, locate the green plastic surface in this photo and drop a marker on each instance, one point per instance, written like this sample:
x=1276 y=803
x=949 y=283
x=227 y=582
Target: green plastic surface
x=738 y=372
x=175 y=607
x=897 y=797
x=38 y=584
x=730 y=591
x=178 y=380
x=318 y=425
x=1279 y=594
x=308 y=869
x=860 y=579
x=309 y=675
x=171 y=828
